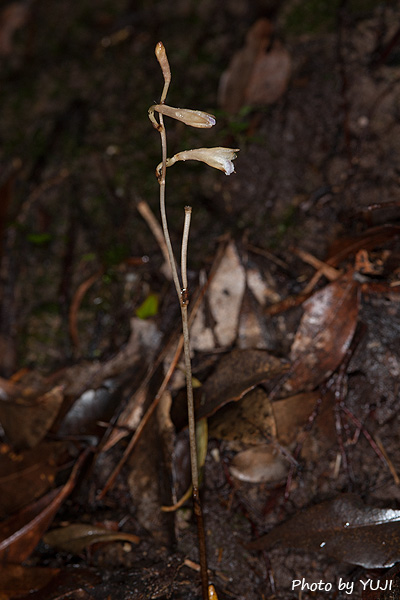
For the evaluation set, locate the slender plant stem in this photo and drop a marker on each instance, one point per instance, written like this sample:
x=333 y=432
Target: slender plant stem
x=190 y=402
x=183 y=301
x=185 y=239
x=182 y=293
x=163 y=210
x=191 y=417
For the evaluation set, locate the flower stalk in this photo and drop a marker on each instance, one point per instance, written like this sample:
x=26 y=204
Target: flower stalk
x=219 y=158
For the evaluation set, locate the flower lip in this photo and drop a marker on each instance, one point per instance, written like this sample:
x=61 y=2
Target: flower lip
x=194 y=118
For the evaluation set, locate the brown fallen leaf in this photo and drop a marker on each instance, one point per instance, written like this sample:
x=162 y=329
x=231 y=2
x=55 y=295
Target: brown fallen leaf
x=236 y=374
x=343 y=528
x=67 y=584
x=20 y=533
x=16 y=580
x=78 y=536
x=324 y=334
x=26 y=476
x=249 y=421
x=148 y=483
x=292 y=417
x=27 y=414
x=258 y=74
x=262 y=463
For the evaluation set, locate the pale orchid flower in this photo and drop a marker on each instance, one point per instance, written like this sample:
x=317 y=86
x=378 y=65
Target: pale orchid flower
x=194 y=118
x=219 y=158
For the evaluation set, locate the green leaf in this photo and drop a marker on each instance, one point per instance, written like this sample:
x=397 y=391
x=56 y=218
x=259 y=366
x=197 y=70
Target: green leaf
x=148 y=308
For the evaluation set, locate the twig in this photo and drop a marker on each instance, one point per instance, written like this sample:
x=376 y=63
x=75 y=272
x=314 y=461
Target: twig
x=154 y=226
x=323 y=268
x=75 y=304
x=389 y=463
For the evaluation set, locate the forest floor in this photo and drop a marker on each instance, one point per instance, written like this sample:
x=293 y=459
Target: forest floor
x=296 y=341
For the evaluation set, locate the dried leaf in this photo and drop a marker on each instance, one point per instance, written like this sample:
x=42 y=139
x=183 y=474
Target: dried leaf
x=20 y=534
x=269 y=77
x=236 y=374
x=27 y=417
x=258 y=73
x=16 y=580
x=225 y=295
x=262 y=463
x=324 y=335
x=67 y=584
x=149 y=479
x=292 y=415
x=249 y=421
x=343 y=528
x=78 y=536
x=27 y=476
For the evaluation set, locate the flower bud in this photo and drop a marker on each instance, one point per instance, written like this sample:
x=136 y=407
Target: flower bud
x=194 y=118
x=164 y=64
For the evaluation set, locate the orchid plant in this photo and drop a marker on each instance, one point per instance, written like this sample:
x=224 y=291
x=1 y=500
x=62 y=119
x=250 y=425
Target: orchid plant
x=219 y=158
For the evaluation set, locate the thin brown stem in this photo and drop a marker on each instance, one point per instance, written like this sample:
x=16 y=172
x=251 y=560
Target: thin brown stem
x=164 y=222
x=182 y=293
x=191 y=416
x=185 y=239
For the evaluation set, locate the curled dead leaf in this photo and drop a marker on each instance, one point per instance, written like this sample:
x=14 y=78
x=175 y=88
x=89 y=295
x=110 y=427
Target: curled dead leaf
x=78 y=536
x=20 y=533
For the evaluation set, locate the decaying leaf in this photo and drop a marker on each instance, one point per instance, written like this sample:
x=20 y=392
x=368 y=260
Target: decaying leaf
x=324 y=335
x=26 y=476
x=16 y=580
x=20 y=533
x=26 y=417
x=258 y=73
x=251 y=330
x=66 y=584
x=225 y=294
x=237 y=373
x=249 y=421
x=78 y=536
x=343 y=528
x=262 y=463
x=291 y=416
x=149 y=473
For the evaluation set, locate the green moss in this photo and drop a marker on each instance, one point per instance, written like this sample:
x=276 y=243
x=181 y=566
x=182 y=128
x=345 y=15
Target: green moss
x=312 y=16
x=39 y=239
